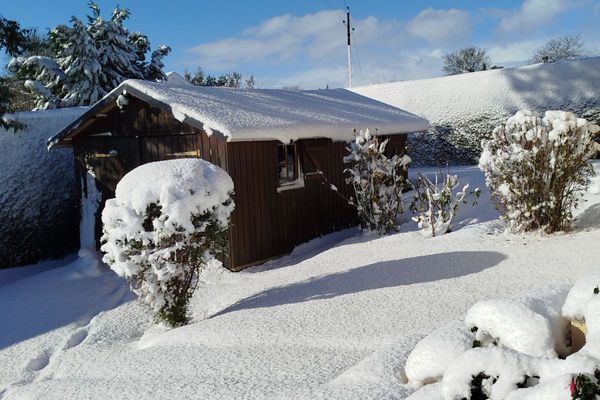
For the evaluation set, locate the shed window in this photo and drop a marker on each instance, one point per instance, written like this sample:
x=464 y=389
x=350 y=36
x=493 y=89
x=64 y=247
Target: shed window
x=287 y=163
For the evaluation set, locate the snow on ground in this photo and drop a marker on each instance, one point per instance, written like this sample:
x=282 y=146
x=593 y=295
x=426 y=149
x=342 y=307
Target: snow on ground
x=334 y=320
x=457 y=98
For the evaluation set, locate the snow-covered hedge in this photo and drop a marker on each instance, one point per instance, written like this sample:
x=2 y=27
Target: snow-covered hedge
x=378 y=182
x=536 y=167
x=464 y=109
x=513 y=349
x=167 y=221
x=38 y=198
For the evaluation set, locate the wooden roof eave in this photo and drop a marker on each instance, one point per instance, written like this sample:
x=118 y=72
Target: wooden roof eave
x=65 y=137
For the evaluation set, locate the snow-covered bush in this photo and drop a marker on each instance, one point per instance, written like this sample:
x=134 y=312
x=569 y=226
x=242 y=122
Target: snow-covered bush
x=521 y=350
x=536 y=167
x=436 y=204
x=167 y=221
x=378 y=182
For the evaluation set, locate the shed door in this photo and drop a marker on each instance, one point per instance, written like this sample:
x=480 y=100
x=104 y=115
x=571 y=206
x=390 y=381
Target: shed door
x=111 y=158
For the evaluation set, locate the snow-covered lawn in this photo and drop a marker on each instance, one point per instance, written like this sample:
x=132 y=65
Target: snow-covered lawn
x=335 y=319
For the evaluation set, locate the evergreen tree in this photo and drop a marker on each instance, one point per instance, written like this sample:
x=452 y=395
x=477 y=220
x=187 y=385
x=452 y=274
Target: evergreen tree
x=141 y=46
x=250 y=82
x=154 y=71
x=79 y=60
x=117 y=55
x=12 y=38
x=232 y=80
x=79 y=64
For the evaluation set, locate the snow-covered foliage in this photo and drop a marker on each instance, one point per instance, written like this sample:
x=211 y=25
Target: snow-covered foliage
x=116 y=54
x=433 y=354
x=79 y=59
x=536 y=167
x=469 y=59
x=585 y=289
x=89 y=61
x=43 y=78
x=377 y=180
x=437 y=204
x=464 y=109
x=167 y=221
x=520 y=349
x=532 y=325
x=38 y=200
x=154 y=71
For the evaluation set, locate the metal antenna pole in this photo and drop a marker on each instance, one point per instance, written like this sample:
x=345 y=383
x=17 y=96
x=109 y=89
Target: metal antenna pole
x=349 y=30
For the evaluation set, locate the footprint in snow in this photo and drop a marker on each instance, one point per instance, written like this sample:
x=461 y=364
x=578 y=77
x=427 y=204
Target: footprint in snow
x=75 y=339
x=38 y=363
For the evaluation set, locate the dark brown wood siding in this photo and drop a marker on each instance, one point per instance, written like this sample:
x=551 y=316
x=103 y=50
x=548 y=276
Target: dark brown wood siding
x=117 y=142
x=267 y=223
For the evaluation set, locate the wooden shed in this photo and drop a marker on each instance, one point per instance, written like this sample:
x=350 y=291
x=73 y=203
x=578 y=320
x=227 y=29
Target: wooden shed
x=279 y=147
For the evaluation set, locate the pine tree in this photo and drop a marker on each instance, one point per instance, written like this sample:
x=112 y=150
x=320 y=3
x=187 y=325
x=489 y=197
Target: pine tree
x=92 y=58
x=116 y=53
x=11 y=40
x=141 y=46
x=154 y=71
x=79 y=60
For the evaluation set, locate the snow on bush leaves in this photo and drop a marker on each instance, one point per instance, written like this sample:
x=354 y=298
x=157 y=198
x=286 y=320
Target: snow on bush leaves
x=378 y=182
x=437 y=204
x=536 y=167
x=167 y=221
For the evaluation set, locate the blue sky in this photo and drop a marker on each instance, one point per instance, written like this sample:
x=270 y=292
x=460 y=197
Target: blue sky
x=302 y=42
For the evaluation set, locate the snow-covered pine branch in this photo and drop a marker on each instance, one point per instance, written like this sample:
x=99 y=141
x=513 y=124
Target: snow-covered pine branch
x=154 y=71
x=88 y=60
x=79 y=59
x=45 y=78
x=117 y=55
x=378 y=182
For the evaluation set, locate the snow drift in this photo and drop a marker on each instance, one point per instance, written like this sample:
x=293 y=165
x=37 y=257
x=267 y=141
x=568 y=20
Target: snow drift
x=38 y=203
x=463 y=109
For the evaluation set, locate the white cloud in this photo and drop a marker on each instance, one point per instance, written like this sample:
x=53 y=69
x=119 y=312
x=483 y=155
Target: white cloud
x=440 y=26
x=533 y=14
x=514 y=53
x=283 y=39
x=310 y=50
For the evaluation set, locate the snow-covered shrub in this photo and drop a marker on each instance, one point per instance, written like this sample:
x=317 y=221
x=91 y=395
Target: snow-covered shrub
x=378 y=182
x=437 y=204
x=531 y=325
x=536 y=167
x=431 y=357
x=491 y=372
x=167 y=221
x=517 y=353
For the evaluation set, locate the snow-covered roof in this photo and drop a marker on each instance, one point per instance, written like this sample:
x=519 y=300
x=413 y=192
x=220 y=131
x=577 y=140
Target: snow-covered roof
x=569 y=85
x=265 y=114
x=173 y=78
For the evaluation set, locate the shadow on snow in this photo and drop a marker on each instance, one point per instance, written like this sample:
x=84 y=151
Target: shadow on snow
x=408 y=271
